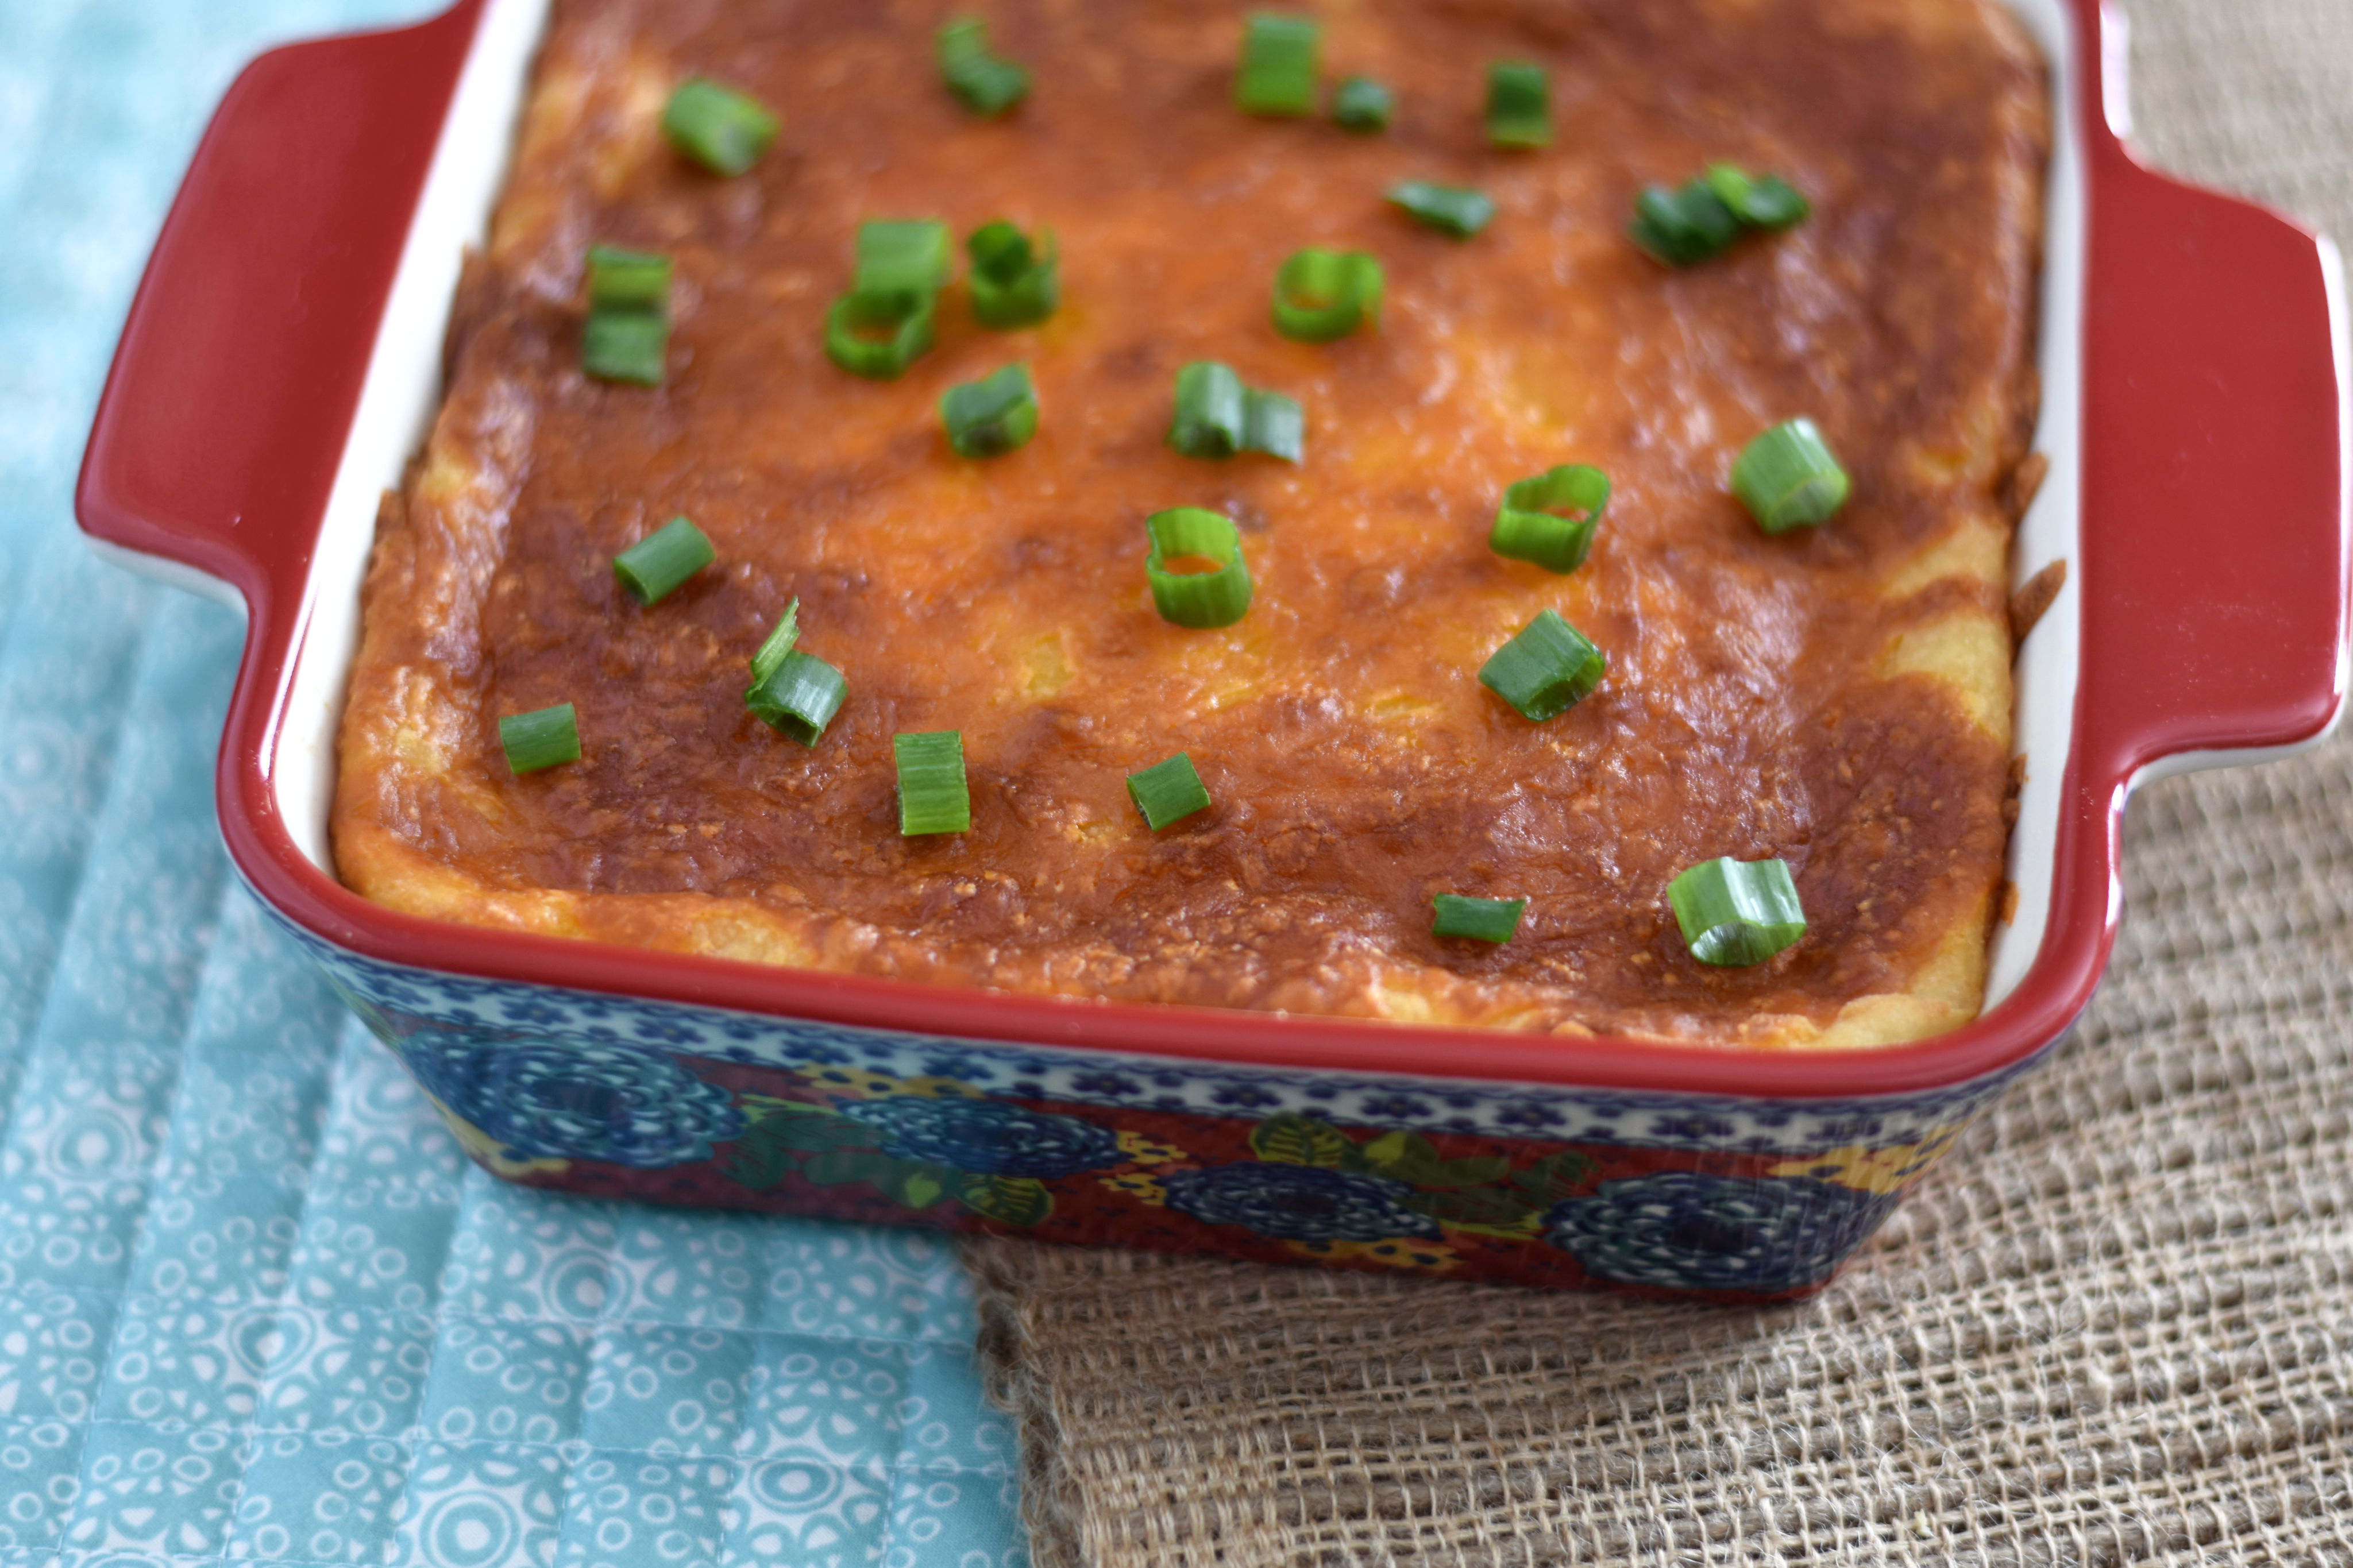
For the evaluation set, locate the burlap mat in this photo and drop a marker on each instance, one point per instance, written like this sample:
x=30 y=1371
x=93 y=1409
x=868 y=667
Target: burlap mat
x=2114 y=1326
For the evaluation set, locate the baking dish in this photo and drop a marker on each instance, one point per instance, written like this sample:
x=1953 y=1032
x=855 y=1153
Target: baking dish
x=280 y=364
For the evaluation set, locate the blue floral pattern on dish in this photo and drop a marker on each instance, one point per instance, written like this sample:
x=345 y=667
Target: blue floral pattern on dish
x=986 y=1137
x=1694 y=1231
x=584 y=1101
x=1298 y=1203
x=1101 y=1078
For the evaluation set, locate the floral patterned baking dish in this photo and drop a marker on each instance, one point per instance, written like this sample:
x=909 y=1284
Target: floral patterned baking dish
x=277 y=367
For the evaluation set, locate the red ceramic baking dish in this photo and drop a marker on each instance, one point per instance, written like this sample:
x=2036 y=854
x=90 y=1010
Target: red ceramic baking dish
x=280 y=362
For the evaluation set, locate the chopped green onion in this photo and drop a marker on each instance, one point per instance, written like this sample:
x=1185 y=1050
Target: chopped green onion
x=1519 y=105
x=1272 y=424
x=539 y=739
x=1450 y=209
x=1683 y=227
x=988 y=417
x=663 y=559
x=1738 y=912
x=1550 y=518
x=1278 y=68
x=1767 y=202
x=1788 y=478
x=624 y=345
x=1014 y=283
x=933 y=797
x=799 y=695
x=779 y=643
x=982 y=81
x=626 y=280
x=1321 y=295
x=1208 y=422
x=1546 y=669
x=796 y=693
x=902 y=256
x=626 y=334
x=1363 y=105
x=1167 y=792
x=852 y=324
x=885 y=320
x=1706 y=215
x=1479 y=919
x=722 y=129
x=1217 y=416
x=1200 y=599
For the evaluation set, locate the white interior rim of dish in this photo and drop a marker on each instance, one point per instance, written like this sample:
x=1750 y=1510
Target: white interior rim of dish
x=403 y=390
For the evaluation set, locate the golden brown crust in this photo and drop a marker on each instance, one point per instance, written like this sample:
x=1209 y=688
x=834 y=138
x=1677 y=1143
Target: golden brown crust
x=1838 y=697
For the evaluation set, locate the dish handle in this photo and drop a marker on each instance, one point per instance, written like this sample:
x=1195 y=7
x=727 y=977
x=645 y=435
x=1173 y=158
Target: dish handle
x=232 y=391
x=2214 y=479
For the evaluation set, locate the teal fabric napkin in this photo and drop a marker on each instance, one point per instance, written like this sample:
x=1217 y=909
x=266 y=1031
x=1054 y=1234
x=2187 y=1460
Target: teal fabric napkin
x=254 y=1304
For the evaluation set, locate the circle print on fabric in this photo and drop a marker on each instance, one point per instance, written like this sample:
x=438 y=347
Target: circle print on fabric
x=1701 y=1232
x=575 y=1102
x=464 y=1531
x=1297 y=1203
x=986 y=1137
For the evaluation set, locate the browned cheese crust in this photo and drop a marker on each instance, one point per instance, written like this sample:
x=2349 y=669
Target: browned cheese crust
x=1838 y=697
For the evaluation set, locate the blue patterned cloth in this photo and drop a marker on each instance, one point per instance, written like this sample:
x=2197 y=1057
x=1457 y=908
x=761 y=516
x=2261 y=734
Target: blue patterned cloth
x=254 y=1305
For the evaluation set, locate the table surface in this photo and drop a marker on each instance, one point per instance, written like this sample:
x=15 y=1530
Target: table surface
x=254 y=1303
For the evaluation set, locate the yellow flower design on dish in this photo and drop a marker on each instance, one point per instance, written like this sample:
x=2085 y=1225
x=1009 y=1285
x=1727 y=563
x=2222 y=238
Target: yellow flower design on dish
x=1139 y=1186
x=1428 y=1256
x=1143 y=1151
x=865 y=1082
x=1873 y=1170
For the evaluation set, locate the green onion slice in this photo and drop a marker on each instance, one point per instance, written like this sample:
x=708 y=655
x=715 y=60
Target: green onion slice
x=1704 y=216
x=1208 y=421
x=1519 y=105
x=879 y=335
x=799 y=695
x=1197 y=599
x=1760 y=202
x=719 y=128
x=1738 y=912
x=1479 y=919
x=1683 y=227
x=779 y=643
x=1321 y=295
x=626 y=280
x=663 y=559
x=1217 y=416
x=1167 y=792
x=1550 y=518
x=1014 y=283
x=626 y=334
x=1363 y=105
x=1546 y=669
x=933 y=797
x=902 y=256
x=796 y=693
x=982 y=81
x=1273 y=424
x=1278 y=68
x=625 y=346
x=541 y=739
x=993 y=415
x=1788 y=478
x=1450 y=209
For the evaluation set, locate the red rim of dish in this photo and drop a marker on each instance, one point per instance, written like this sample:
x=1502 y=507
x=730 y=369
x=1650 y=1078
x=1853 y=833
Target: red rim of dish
x=2211 y=568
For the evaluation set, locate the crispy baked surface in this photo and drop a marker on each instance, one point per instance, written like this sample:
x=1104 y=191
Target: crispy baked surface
x=1838 y=697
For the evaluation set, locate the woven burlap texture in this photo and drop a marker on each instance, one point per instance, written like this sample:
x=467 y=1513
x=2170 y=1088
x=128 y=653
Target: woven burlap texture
x=2114 y=1326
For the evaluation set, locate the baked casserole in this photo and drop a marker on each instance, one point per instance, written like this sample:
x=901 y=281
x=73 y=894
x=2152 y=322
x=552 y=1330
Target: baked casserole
x=1834 y=697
